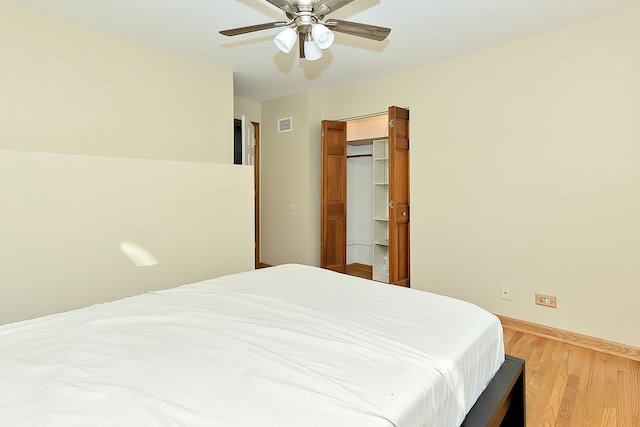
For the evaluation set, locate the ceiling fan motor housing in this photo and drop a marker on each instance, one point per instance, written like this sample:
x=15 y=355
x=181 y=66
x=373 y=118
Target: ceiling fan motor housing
x=304 y=22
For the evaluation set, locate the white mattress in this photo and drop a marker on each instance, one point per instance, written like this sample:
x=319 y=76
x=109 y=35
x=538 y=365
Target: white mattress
x=284 y=346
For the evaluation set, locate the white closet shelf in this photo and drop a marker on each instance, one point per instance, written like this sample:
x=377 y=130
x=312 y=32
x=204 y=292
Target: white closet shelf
x=381 y=209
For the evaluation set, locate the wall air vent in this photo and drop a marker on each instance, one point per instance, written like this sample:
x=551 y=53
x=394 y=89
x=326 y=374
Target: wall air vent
x=285 y=125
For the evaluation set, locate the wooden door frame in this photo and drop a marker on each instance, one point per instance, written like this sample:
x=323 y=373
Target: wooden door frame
x=398 y=215
x=256 y=189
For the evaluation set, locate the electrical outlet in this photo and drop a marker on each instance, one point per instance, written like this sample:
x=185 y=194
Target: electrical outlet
x=546 y=300
x=505 y=292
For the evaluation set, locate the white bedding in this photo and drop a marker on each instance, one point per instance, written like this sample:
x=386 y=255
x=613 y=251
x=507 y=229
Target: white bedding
x=284 y=346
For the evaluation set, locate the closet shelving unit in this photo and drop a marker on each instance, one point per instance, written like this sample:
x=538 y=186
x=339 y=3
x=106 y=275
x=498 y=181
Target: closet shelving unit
x=381 y=210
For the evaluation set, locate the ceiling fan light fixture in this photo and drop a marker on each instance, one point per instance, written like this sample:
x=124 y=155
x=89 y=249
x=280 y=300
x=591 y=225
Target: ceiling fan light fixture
x=305 y=23
x=286 y=39
x=322 y=35
x=311 y=50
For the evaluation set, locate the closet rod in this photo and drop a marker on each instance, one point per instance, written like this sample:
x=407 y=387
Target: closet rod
x=359 y=155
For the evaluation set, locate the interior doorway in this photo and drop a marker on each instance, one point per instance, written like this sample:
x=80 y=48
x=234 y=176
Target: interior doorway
x=362 y=252
x=244 y=135
x=367 y=227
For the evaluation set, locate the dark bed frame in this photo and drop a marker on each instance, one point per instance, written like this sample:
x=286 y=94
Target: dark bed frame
x=503 y=401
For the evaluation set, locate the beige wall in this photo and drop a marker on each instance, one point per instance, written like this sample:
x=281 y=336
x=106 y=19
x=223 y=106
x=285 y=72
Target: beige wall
x=69 y=90
x=524 y=172
x=316 y=115
x=65 y=218
x=252 y=110
x=290 y=169
x=531 y=178
x=104 y=142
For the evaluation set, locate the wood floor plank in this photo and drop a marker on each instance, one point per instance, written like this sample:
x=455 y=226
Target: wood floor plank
x=634 y=389
x=546 y=375
x=628 y=392
x=609 y=417
x=559 y=385
x=595 y=388
x=581 y=409
x=568 y=402
x=583 y=365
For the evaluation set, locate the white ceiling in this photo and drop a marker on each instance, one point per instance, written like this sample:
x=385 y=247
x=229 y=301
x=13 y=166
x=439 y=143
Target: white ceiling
x=423 y=32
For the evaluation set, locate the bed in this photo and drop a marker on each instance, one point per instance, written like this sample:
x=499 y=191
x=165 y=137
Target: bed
x=290 y=345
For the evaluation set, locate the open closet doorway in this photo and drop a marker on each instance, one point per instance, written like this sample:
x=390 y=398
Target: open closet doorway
x=246 y=150
x=365 y=196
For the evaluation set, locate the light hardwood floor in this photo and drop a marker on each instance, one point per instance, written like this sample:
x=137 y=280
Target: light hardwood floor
x=574 y=386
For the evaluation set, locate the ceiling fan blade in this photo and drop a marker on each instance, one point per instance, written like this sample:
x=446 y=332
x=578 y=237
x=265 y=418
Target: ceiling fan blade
x=252 y=28
x=361 y=30
x=285 y=6
x=325 y=7
x=301 y=37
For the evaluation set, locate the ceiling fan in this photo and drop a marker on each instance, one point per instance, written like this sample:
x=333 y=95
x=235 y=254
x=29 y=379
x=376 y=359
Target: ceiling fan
x=307 y=25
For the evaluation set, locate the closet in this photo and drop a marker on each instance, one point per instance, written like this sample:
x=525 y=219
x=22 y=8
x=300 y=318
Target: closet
x=365 y=195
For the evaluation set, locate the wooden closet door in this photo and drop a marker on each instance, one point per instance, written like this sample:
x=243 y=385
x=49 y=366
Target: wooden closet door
x=334 y=196
x=399 y=196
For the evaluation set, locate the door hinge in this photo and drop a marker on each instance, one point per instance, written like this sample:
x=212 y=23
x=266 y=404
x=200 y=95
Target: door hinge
x=391 y=204
x=391 y=123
